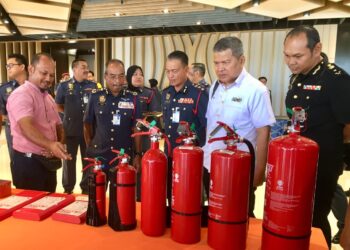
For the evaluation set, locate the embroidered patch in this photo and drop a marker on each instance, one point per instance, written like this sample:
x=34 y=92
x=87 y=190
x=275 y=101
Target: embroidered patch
x=101 y=99
x=312 y=87
x=125 y=105
x=186 y=100
x=8 y=90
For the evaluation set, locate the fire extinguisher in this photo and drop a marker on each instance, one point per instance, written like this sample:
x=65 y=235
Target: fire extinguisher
x=153 y=182
x=186 y=200
x=122 y=204
x=290 y=188
x=231 y=183
x=96 y=212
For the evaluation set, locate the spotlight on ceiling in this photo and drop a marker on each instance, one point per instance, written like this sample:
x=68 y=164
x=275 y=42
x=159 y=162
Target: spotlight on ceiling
x=46 y=36
x=306 y=14
x=256 y=3
x=130 y=27
x=6 y=21
x=166 y=11
x=13 y=32
x=199 y=22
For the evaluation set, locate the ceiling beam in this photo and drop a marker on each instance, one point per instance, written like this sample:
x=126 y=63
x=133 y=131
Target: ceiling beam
x=10 y=25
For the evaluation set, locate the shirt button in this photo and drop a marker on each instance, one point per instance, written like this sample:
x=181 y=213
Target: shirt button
x=174 y=100
x=112 y=112
x=172 y=108
x=184 y=108
x=100 y=112
x=113 y=103
x=112 y=139
x=82 y=105
x=299 y=84
x=125 y=113
x=169 y=136
x=68 y=118
x=170 y=126
x=308 y=97
x=295 y=97
x=112 y=147
x=112 y=130
x=81 y=92
x=95 y=146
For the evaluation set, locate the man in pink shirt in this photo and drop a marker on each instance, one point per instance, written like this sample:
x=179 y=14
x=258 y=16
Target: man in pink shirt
x=36 y=127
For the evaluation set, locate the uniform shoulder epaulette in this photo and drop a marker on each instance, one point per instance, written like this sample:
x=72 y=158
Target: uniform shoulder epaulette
x=334 y=69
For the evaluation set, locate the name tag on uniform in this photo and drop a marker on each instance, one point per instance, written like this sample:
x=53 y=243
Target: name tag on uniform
x=176 y=115
x=85 y=99
x=312 y=87
x=116 y=118
x=125 y=105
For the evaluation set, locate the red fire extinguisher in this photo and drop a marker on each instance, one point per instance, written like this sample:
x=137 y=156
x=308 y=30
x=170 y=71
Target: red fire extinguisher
x=153 y=182
x=231 y=181
x=122 y=204
x=290 y=188
x=96 y=212
x=186 y=200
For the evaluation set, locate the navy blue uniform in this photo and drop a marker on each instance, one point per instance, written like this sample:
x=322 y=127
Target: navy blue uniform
x=190 y=105
x=74 y=96
x=112 y=119
x=5 y=91
x=324 y=94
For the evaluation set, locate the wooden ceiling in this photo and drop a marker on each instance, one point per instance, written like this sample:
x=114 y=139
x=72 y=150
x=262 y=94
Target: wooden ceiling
x=62 y=19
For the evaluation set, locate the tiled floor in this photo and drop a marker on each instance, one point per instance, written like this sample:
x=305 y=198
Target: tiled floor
x=5 y=174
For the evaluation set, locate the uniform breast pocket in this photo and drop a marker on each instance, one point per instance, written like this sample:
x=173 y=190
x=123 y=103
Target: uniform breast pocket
x=235 y=113
x=186 y=113
x=126 y=115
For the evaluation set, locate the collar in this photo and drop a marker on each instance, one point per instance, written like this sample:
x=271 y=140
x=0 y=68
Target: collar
x=76 y=81
x=184 y=88
x=238 y=81
x=35 y=88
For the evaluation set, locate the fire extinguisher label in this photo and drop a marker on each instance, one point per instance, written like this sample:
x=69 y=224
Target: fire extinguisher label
x=186 y=147
x=216 y=200
x=283 y=202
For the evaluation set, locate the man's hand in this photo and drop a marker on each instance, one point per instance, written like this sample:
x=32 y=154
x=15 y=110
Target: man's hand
x=59 y=150
x=137 y=163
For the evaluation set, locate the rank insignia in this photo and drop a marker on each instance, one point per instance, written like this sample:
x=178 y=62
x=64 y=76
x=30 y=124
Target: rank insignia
x=236 y=99
x=312 y=87
x=102 y=99
x=167 y=97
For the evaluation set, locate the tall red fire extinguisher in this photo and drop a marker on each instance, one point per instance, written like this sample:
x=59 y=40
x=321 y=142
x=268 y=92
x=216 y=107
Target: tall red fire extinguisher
x=290 y=189
x=186 y=201
x=153 y=182
x=96 y=212
x=231 y=181
x=122 y=204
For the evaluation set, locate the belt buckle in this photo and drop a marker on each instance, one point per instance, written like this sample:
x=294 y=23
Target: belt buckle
x=28 y=155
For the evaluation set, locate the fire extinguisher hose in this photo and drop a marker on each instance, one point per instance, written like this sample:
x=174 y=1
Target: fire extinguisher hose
x=113 y=215
x=252 y=167
x=93 y=216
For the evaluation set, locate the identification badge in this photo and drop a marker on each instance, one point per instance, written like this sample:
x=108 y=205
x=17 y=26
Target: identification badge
x=85 y=99
x=116 y=119
x=176 y=115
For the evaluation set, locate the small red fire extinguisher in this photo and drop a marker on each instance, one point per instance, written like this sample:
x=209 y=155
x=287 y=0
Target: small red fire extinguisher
x=290 y=188
x=122 y=204
x=96 y=212
x=153 y=182
x=231 y=182
x=186 y=201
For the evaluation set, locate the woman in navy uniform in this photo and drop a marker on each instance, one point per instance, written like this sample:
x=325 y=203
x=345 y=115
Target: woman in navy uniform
x=323 y=90
x=110 y=118
x=135 y=80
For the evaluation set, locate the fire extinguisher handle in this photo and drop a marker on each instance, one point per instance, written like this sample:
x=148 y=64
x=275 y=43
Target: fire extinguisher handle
x=140 y=134
x=223 y=138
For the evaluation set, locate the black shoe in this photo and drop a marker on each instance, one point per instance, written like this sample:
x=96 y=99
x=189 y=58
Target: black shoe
x=347 y=193
x=336 y=238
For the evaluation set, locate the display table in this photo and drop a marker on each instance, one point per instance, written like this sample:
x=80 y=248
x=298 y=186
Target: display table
x=51 y=234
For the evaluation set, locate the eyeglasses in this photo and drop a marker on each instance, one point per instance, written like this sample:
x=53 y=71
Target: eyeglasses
x=10 y=65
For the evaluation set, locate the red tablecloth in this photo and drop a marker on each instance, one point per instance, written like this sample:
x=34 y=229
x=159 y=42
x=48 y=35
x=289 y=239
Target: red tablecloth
x=50 y=234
